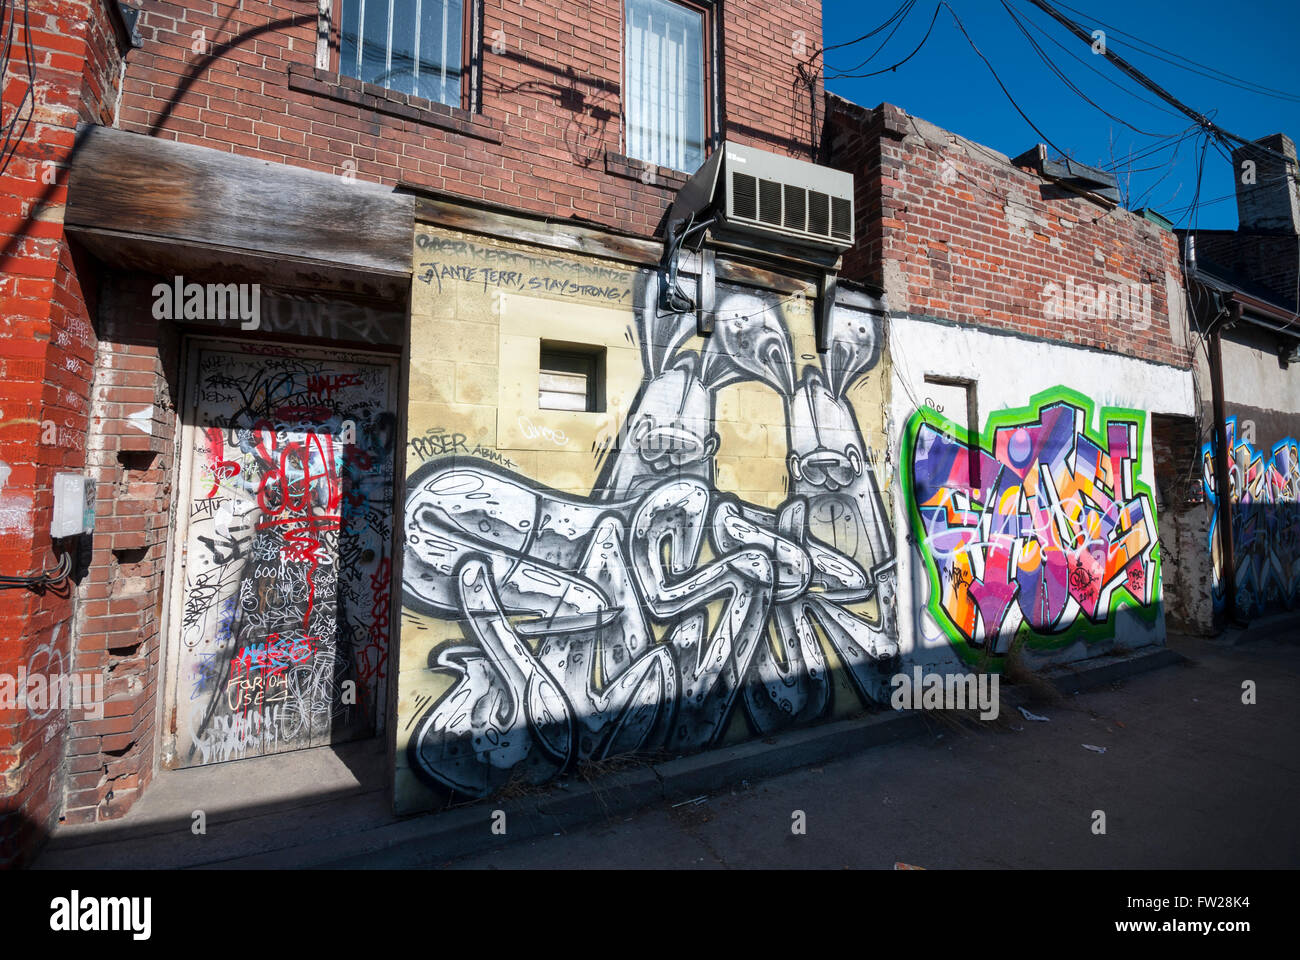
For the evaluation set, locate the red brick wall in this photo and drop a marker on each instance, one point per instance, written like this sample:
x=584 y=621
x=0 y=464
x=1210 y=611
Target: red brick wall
x=111 y=759
x=47 y=348
x=952 y=230
x=549 y=135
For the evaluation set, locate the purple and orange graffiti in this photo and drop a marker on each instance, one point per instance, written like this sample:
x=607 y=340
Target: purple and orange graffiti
x=1040 y=530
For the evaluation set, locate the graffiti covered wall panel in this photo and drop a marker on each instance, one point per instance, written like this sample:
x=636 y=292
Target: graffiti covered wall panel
x=1264 y=481
x=288 y=553
x=710 y=557
x=1038 y=526
x=1028 y=503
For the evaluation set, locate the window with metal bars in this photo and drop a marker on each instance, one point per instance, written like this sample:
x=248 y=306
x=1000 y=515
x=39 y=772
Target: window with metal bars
x=667 y=83
x=410 y=46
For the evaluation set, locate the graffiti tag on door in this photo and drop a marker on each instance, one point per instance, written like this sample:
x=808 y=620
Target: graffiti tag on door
x=284 y=624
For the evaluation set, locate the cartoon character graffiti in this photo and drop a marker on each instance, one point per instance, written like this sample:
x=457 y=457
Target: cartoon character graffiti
x=1265 y=495
x=599 y=626
x=1058 y=532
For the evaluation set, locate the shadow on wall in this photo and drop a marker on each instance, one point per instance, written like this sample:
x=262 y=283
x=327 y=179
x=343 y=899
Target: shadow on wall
x=1265 y=494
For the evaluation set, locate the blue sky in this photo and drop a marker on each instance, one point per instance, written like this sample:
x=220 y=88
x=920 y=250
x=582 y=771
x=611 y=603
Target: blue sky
x=946 y=83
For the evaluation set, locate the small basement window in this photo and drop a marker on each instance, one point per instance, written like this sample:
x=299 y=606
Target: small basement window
x=572 y=377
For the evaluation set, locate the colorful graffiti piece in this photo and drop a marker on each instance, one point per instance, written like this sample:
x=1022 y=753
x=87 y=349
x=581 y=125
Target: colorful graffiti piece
x=652 y=613
x=1265 y=496
x=1041 y=527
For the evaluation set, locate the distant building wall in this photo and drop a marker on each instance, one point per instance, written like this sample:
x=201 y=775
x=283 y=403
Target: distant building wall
x=953 y=230
x=1262 y=407
x=1034 y=332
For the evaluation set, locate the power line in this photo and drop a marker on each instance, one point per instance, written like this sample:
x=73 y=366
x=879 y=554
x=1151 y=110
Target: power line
x=895 y=66
x=1200 y=118
x=866 y=36
x=1042 y=55
x=1152 y=149
x=1119 y=86
x=1005 y=91
x=910 y=5
x=1222 y=77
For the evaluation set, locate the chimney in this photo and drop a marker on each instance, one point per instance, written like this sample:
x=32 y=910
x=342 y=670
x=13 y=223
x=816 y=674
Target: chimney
x=1268 y=196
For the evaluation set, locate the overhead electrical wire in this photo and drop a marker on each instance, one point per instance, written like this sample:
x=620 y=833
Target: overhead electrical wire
x=906 y=9
x=1114 y=83
x=1141 y=78
x=894 y=66
x=1070 y=83
x=1186 y=63
x=906 y=4
x=1024 y=116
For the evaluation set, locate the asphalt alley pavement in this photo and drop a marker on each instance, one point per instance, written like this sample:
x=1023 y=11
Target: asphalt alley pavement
x=1190 y=777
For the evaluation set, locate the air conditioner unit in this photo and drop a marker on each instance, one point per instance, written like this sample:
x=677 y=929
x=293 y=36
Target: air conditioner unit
x=759 y=194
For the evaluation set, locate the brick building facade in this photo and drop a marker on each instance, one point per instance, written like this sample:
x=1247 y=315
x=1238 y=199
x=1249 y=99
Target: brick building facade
x=459 y=273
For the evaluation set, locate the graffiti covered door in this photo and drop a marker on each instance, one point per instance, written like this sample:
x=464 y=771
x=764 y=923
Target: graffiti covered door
x=286 y=512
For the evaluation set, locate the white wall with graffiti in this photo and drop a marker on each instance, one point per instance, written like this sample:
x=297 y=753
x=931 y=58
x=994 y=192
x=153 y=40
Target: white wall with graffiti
x=1025 y=492
x=708 y=558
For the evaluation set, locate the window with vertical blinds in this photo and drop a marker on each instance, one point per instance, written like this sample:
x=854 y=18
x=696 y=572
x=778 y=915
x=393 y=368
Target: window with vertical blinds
x=411 y=46
x=665 y=96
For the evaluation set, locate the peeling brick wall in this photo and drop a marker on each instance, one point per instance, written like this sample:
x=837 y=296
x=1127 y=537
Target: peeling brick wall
x=548 y=138
x=1184 y=526
x=951 y=229
x=47 y=350
x=129 y=453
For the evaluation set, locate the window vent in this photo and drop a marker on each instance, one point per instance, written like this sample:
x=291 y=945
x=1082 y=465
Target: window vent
x=819 y=217
x=796 y=208
x=744 y=196
x=841 y=218
x=769 y=202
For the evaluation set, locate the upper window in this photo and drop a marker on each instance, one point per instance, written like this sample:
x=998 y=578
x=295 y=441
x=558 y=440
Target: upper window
x=666 y=95
x=411 y=46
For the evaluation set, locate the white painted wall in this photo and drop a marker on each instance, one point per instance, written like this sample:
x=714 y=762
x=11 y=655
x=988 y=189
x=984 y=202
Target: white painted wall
x=1253 y=376
x=1008 y=372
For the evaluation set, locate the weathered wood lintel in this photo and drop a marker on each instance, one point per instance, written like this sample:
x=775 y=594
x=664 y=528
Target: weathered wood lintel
x=205 y=262
x=234 y=211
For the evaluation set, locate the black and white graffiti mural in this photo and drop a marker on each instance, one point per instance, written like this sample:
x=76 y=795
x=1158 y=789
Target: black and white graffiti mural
x=654 y=613
x=288 y=554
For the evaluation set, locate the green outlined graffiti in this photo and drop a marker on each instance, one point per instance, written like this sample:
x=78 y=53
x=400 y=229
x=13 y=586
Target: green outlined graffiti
x=1046 y=534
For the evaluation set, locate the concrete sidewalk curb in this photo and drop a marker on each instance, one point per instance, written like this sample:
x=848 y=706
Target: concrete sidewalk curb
x=433 y=839
x=1069 y=680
